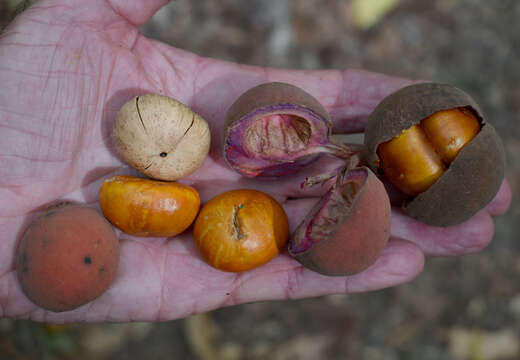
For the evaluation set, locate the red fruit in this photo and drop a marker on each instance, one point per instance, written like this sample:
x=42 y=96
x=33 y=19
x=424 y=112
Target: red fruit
x=67 y=257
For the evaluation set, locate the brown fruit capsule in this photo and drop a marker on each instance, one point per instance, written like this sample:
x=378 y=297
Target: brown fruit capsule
x=347 y=229
x=460 y=152
x=275 y=129
x=67 y=257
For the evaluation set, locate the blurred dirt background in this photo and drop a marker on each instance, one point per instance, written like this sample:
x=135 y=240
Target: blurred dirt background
x=458 y=308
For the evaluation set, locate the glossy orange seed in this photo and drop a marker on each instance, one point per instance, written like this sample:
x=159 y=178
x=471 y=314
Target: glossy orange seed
x=415 y=159
x=149 y=208
x=410 y=162
x=240 y=230
x=449 y=130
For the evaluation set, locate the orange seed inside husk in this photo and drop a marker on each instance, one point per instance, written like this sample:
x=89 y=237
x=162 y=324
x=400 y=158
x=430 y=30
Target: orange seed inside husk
x=415 y=159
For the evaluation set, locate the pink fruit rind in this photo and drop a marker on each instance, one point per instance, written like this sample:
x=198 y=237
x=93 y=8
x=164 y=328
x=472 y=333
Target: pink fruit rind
x=255 y=164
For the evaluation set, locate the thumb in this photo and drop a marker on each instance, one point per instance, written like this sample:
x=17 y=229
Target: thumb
x=137 y=12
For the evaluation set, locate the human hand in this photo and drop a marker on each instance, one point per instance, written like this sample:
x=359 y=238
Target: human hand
x=66 y=67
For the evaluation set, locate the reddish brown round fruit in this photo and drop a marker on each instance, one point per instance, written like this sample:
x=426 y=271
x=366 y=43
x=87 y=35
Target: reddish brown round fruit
x=275 y=129
x=437 y=132
x=347 y=229
x=240 y=230
x=149 y=208
x=67 y=257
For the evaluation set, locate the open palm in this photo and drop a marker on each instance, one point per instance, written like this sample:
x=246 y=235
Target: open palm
x=66 y=67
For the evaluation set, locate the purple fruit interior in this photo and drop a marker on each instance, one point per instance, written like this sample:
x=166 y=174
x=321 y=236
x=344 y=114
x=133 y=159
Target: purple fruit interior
x=275 y=140
x=329 y=212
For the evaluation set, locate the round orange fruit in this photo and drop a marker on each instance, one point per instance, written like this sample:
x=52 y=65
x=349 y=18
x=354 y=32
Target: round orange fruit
x=240 y=229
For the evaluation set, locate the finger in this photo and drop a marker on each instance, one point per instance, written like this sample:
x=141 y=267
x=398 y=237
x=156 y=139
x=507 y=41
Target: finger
x=502 y=200
x=348 y=95
x=158 y=283
x=137 y=12
x=400 y=262
x=469 y=237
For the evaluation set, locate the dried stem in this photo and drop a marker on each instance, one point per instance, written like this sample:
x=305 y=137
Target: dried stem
x=341 y=151
x=352 y=154
x=320 y=179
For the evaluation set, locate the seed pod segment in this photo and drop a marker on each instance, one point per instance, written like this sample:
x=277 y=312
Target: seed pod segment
x=456 y=137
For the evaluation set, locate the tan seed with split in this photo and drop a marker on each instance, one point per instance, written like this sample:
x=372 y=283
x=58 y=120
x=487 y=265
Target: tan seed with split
x=161 y=137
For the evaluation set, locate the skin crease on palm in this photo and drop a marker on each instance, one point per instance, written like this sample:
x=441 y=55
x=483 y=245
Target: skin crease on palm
x=66 y=67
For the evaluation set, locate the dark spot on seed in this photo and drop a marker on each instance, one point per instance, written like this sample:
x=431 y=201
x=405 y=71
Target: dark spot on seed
x=227 y=293
x=102 y=269
x=87 y=260
x=163 y=154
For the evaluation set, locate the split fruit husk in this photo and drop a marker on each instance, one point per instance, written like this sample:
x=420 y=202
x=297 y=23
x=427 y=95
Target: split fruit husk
x=347 y=229
x=471 y=180
x=275 y=129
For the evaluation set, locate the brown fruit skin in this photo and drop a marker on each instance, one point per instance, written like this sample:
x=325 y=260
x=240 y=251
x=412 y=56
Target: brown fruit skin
x=67 y=257
x=362 y=234
x=472 y=179
x=271 y=94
